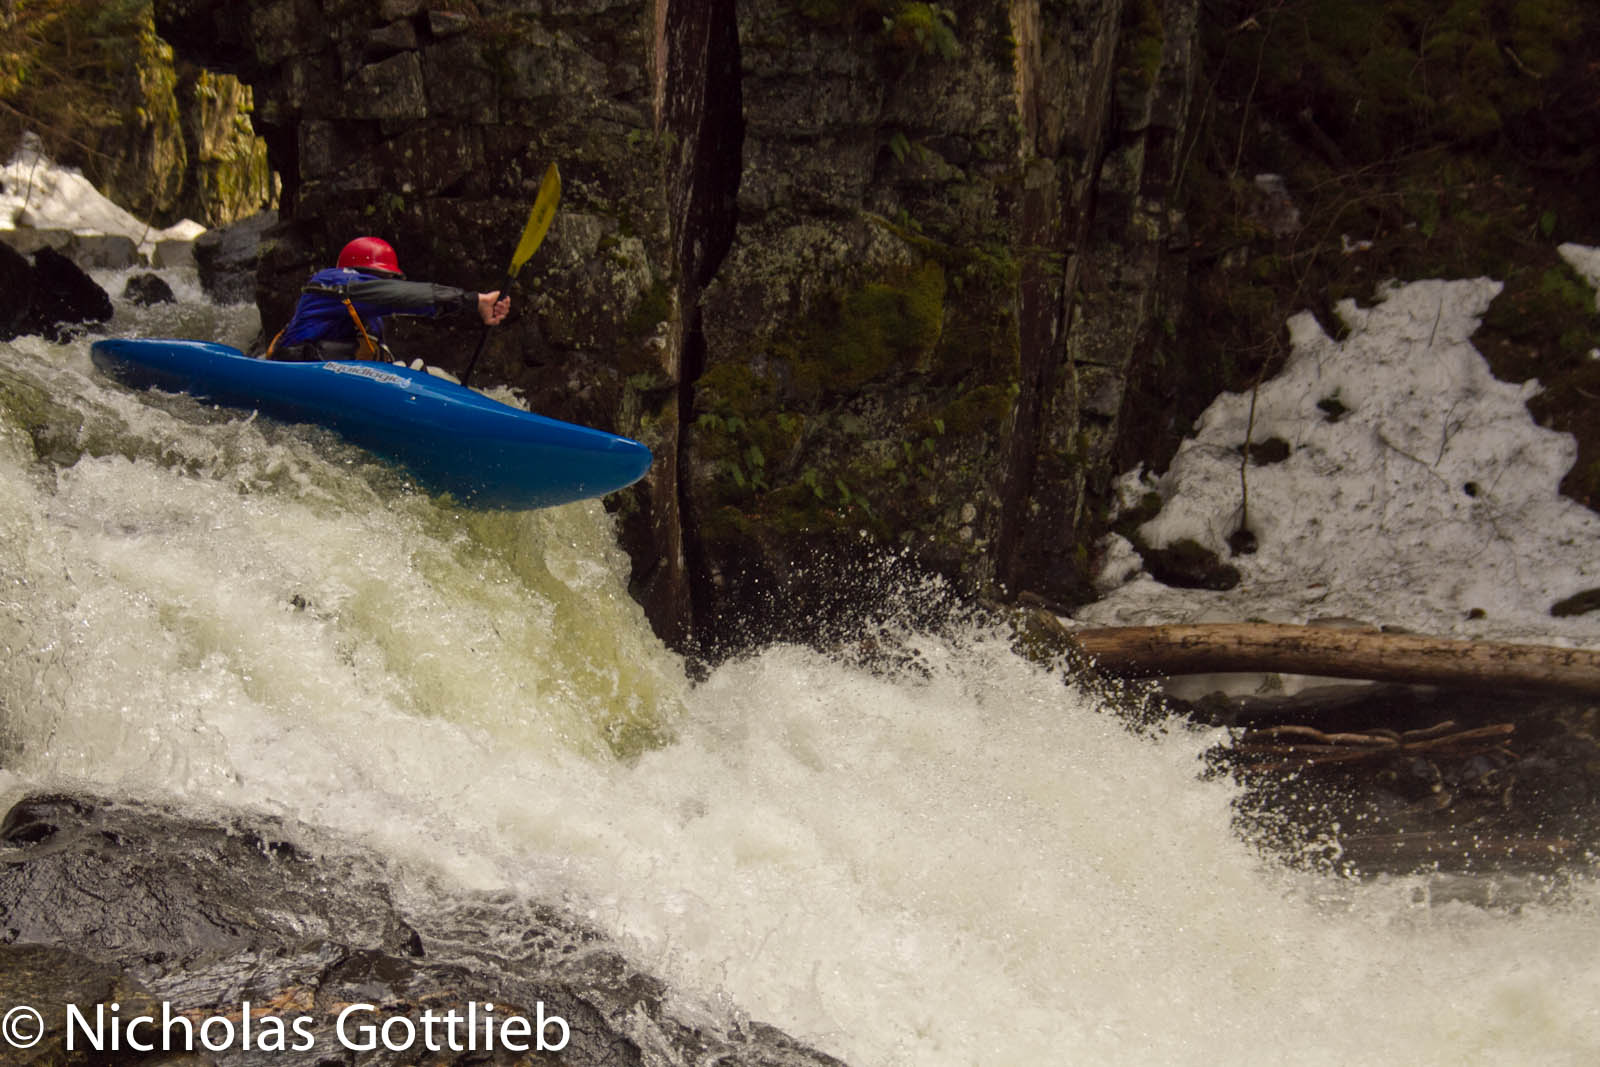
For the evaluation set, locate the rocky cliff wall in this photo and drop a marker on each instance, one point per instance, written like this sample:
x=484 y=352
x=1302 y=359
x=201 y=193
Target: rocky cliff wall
x=868 y=276
x=162 y=138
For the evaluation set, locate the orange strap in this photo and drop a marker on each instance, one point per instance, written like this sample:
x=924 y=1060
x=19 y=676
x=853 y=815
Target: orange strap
x=366 y=348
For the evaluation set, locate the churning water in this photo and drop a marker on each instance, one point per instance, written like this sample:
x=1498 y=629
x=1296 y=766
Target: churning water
x=964 y=860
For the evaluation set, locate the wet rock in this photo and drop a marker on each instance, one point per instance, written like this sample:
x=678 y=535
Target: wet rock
x=28 y=239
x=1187 y=564
x=104 y=252
x=33 y=819
x=124 y=901
x=97 y=876
x=55 y=429
x=174 y=253
x=1416 y=779
x=1529 y=806
x=1577 y=604
x=16 y=291
x=64 y=296
x=48 y=978
x=147 y=289
x=49 y=296
x=226 y=258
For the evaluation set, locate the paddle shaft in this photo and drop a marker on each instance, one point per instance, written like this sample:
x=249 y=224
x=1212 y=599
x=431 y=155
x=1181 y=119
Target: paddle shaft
x=483 y=339
x=533 y=231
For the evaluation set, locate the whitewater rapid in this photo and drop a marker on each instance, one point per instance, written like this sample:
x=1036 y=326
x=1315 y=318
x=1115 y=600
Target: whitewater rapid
x=962 y=859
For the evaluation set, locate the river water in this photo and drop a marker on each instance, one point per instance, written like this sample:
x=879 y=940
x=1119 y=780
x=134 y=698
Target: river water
x=964 y=859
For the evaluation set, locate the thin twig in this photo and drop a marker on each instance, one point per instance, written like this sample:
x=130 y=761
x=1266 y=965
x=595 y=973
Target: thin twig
x=1316 y=748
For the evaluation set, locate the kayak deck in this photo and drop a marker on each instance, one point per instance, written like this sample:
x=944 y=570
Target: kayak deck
x=450 y=438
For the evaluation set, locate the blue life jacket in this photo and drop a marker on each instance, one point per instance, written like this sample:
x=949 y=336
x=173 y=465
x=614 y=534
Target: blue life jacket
x=321 y=314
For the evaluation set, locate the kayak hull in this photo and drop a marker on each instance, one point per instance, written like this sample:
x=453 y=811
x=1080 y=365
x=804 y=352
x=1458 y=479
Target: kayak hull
x=451 y=439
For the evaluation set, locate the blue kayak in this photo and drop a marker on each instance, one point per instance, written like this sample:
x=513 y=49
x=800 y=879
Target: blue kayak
x=451 y=439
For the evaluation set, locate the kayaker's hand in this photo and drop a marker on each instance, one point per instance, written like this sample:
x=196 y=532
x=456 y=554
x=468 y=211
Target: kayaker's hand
x=493 y=308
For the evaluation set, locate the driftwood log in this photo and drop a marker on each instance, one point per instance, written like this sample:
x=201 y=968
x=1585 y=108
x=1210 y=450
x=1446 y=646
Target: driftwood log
x=1286 y=748
x=1159 y=651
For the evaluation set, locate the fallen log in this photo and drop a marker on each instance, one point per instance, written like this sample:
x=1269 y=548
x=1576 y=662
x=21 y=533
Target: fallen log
x=1217 y=648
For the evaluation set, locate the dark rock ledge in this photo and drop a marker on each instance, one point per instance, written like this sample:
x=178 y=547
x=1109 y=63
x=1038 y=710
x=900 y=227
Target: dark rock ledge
x=109 y=902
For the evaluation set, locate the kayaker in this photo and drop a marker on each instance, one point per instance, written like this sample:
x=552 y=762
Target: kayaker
x=342 y=309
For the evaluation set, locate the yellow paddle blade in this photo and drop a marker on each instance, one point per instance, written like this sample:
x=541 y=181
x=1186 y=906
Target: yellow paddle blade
x=539 y=218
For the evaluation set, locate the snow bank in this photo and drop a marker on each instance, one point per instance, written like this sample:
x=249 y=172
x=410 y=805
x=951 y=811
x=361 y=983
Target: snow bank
x=1417 y=491
x=36 y=193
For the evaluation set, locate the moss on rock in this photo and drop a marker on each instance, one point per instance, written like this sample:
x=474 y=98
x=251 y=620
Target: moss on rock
x=856 y=335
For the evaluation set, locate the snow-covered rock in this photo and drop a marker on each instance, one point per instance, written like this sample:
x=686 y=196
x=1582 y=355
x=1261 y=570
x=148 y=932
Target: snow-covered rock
x=38 y=194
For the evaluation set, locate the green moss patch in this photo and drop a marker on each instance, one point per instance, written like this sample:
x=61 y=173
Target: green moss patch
x=856 y=335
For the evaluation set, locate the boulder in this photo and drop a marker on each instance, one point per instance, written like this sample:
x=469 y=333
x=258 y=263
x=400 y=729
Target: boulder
x=64 y=296
x=1187 y=564
x=226 y=258
x=48 y=978
x=89 y=251
x=16 y=291
x=147 y=289
x=55 y=429
x=103 y=251
x=29 y=239
x=147 y=906
x=173 y=253
x=50 y=293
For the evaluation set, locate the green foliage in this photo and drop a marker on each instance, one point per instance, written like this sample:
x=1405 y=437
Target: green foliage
x=1455 y=70
x=1548 y=313
x=1142 y=45
x=732 y=390
x=738 y=429
x=846 y=422
x=987 y=406
x=62 y=59
x=831 y=12
x=923 y=29
x=903 y=148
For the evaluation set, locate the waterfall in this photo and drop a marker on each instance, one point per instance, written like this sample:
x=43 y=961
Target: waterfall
x=955 y=857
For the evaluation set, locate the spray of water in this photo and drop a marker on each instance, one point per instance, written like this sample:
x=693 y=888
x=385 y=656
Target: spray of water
x=964 y=858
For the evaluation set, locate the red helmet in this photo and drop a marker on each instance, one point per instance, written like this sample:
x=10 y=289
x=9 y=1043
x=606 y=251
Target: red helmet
x=371 y=253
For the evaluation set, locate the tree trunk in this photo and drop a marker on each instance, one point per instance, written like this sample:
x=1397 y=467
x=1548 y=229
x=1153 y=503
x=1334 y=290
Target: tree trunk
x=1149 y=651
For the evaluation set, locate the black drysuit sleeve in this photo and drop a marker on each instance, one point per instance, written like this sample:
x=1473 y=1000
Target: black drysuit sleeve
x=395 y=296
